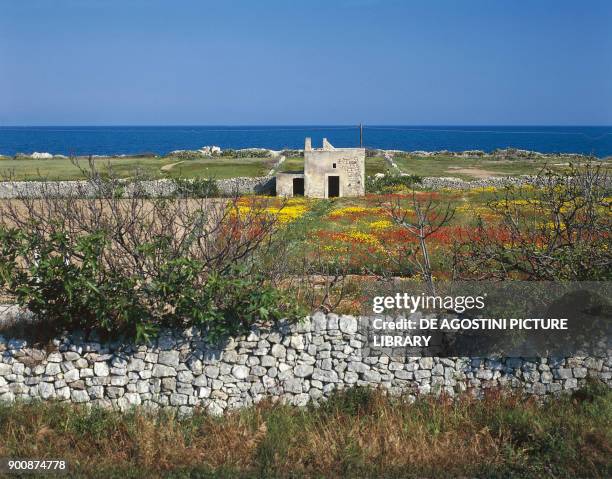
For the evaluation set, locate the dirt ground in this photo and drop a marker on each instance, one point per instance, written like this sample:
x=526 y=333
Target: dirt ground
x=475 y=172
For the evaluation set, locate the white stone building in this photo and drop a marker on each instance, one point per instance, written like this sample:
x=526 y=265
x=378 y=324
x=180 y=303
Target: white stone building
x=328 y=173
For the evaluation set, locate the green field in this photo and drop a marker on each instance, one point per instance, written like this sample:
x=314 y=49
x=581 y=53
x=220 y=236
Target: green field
x=223 y=167
x=154 y=167
x=474 y=168
x=464 y=168
x=292 y=164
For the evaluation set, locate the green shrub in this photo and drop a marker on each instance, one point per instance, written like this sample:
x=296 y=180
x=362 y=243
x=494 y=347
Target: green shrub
x=128 y=265
x=73 y=286
x=186 y=155
x=390 y=183
x=195 y=188
x=249 y=153
x=292 y=153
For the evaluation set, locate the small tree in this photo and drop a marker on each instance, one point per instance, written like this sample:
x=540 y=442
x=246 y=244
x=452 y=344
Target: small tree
x=109 y=256
x=556 y=229
x=423 y=218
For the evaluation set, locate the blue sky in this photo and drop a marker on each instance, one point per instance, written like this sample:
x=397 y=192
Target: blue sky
x=429 y=62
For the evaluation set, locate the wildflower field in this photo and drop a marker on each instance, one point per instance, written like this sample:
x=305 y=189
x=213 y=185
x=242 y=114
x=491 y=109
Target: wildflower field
x=362 y=238
x=361 y=235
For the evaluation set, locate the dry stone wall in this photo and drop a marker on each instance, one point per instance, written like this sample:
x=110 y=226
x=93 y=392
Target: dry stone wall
x=298 y=364
x=35 y=189
x=437 y=183
x=242 y=185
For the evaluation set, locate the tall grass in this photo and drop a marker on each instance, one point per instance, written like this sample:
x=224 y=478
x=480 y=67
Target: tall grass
x=357 y=433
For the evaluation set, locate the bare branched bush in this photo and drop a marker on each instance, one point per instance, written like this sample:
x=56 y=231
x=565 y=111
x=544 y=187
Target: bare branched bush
x=112 y=231
x=207 y=229
x=320 y=284
x=557 y=229
x=420 y=216
x=311 y=278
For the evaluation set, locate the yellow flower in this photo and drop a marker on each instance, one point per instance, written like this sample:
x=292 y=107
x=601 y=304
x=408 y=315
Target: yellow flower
x=347 y=211
x=363 y=237
x=516 y=202
x=484 y=189
x=381 y=225
x=296 y=201
x=550 y=225
x=284 y=213
x=288 y=213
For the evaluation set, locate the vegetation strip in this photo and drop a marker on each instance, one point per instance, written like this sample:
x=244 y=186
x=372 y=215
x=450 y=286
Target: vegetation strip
x=357 y=433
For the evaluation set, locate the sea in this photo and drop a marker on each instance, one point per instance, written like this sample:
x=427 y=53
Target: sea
x=129 y=140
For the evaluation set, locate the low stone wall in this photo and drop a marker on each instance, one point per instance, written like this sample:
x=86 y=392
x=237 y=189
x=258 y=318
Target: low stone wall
x=242 y=185
x=263 y=185
x=295 y=363
x=437 y=183
x=37 y=189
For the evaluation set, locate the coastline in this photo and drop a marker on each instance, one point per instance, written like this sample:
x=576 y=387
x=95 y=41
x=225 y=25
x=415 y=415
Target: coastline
x=159 y=140
x=215 y=151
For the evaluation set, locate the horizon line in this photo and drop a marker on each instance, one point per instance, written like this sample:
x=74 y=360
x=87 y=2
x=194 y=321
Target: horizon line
x=306 y=125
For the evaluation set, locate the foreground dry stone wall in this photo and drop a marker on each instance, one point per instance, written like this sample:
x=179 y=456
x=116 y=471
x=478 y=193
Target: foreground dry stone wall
x=294 y=363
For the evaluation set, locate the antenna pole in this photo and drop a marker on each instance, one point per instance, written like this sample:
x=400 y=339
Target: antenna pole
x=361 y=135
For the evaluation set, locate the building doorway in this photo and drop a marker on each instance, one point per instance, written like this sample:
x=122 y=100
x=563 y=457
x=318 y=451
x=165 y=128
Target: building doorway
x=298 y=186
x=333 y=186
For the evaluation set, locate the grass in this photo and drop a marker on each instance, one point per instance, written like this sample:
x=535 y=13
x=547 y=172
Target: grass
x=292 y=164
x=154 y=167
x=222 y=168
x=375 y=164
x=357 y=433
x=472 y=168
x=157 y=167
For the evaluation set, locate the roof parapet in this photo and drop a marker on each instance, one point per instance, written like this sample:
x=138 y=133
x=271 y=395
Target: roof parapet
x=308 y=144
x=327 y=145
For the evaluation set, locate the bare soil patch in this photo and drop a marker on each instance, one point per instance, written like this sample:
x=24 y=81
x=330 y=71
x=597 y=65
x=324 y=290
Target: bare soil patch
x=475 y=172
x=167 y=168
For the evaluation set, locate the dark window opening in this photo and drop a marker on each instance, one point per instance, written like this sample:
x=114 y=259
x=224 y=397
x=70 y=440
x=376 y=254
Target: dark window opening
x=333 y=186
x=334 y=165
x=298 y=186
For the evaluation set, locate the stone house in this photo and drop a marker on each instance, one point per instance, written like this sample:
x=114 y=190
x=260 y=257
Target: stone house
x=328 y=173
